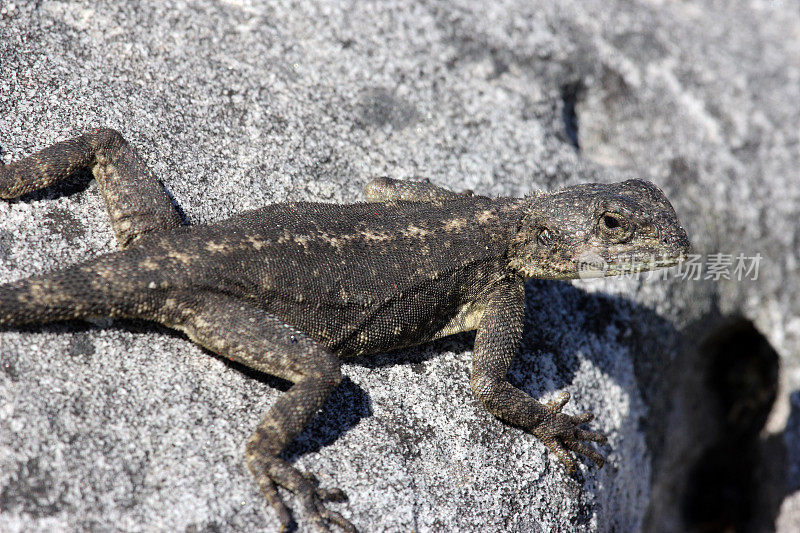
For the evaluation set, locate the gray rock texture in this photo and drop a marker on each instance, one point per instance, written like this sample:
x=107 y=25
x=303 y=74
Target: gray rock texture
x=124 y=426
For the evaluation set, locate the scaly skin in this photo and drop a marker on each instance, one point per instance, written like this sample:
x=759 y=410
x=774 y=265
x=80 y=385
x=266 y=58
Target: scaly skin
x=293 y=288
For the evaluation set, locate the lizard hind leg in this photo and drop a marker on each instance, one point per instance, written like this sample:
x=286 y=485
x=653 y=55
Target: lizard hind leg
x=253 y=337
x=136 y=202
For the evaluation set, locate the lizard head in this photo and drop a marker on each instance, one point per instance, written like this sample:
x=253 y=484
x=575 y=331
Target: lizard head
x=596 y=229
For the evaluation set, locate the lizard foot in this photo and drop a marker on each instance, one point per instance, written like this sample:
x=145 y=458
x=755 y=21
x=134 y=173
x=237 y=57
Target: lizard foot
x=560 y=432
x=311 y=495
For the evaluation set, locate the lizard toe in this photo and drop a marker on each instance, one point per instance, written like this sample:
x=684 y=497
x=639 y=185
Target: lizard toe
x=313 y=500
x=558 y=404
x=331 y=495
x=270 y=491
x=326 y=495
x=584 y=449
x=335 y=518
x=563 y=455
x=582 y=419
x=583 y=434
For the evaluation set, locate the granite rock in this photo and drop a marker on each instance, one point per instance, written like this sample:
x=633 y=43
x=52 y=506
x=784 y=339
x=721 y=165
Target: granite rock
x=120 y=425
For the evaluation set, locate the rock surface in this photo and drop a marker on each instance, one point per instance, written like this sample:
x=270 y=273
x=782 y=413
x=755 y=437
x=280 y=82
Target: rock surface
x=235 y=104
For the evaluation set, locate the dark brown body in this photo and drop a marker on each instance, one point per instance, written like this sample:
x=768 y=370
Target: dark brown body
x=357 y=278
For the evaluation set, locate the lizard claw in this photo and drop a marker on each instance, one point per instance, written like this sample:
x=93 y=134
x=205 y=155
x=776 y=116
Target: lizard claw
x=561 y=434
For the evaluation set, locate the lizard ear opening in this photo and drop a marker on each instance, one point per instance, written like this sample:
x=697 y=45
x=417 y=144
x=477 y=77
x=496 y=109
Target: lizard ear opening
x=545 y=237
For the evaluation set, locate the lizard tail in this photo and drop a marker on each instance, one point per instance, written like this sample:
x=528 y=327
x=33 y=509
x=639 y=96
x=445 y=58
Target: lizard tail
x=72 y=293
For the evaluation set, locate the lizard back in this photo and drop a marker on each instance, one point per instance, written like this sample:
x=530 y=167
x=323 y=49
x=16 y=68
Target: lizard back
x=359 y=277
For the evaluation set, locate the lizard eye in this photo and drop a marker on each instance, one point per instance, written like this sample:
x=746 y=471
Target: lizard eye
x=614 y=225
x=610 y=221
x=545 y=237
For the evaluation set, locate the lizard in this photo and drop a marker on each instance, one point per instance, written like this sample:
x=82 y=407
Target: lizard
x=293 y=289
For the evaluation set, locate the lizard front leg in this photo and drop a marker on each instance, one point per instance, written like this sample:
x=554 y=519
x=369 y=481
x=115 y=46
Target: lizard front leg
x=496 y=343
x=237 y=330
